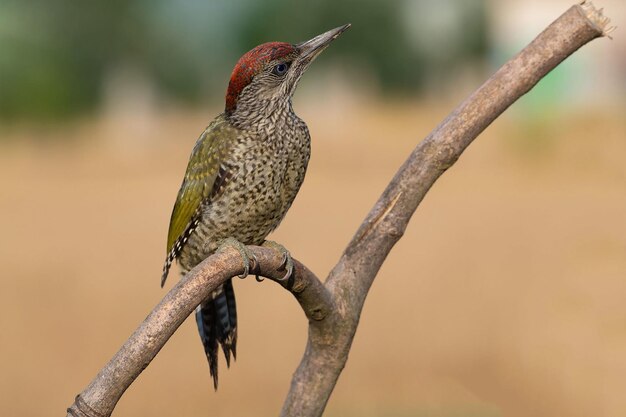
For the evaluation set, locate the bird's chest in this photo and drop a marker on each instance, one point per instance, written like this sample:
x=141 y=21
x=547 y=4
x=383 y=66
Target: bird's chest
x=266 y=178
x=271 y=177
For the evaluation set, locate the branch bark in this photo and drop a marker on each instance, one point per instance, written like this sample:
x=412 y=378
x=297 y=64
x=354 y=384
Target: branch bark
x=102 y=394
x=334 y=308
x=350 y=280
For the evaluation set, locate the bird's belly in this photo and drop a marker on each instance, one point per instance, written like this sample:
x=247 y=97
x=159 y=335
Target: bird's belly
x=252 y=221
x=247 y=212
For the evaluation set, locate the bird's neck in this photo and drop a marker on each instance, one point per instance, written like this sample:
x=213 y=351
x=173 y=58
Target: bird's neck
x=260 y=114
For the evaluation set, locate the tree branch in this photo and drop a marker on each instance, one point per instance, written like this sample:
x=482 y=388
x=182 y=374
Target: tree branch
x=350 y=280
x=334 y=308
x=103 y=393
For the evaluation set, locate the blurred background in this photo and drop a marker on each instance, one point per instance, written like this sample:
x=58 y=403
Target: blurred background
x=504 y=298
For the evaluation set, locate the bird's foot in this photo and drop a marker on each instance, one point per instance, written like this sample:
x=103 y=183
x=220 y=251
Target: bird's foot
x=287 y=262
x=248 y=258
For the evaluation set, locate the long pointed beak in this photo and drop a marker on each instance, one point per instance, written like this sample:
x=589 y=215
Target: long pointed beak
x=313 y=47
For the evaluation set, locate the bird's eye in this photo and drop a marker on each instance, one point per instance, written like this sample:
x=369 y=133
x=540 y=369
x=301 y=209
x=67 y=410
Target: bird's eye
x=280 y=69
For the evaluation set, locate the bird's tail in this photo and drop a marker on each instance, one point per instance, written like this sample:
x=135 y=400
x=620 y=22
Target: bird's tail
x=217 y=325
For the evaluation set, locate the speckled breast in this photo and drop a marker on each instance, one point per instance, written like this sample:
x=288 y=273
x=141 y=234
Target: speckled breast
x=267 y=173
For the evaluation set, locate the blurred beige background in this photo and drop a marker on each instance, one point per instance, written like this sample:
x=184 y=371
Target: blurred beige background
x=504 y=298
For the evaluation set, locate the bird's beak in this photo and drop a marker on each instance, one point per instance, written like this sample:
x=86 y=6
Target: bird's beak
x=313 y=47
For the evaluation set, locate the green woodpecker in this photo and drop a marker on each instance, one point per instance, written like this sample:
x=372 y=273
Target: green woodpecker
x=243 y=174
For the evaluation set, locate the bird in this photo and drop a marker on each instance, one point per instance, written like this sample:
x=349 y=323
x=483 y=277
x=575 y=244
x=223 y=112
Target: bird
x=242 y=176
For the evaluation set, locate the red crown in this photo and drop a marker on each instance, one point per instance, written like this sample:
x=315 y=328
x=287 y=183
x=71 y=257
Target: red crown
x=250 y=64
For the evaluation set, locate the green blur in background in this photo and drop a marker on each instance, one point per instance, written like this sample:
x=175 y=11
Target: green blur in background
x=58 y=55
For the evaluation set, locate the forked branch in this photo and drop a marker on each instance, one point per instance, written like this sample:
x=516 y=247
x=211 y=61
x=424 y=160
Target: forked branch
x=334 y=308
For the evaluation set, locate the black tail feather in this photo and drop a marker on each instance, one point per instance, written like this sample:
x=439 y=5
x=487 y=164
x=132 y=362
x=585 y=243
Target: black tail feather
x=217 y=325
x=204 y=318
x=229 y=291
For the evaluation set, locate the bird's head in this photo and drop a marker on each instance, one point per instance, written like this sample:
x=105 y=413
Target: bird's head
x=266 y=77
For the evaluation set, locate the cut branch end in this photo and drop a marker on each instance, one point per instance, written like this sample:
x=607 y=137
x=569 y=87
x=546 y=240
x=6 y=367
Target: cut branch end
x=597 y=18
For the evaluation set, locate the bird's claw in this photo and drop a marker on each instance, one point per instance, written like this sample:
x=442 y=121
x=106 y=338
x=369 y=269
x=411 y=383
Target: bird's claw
x=287 y=261
x=253 y=265
x=249 y=259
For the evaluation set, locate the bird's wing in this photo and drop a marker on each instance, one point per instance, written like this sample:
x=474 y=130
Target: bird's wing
x=204 y=177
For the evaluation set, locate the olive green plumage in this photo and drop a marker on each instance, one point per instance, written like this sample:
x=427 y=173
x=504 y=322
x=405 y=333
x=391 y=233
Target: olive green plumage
x=203 y=167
